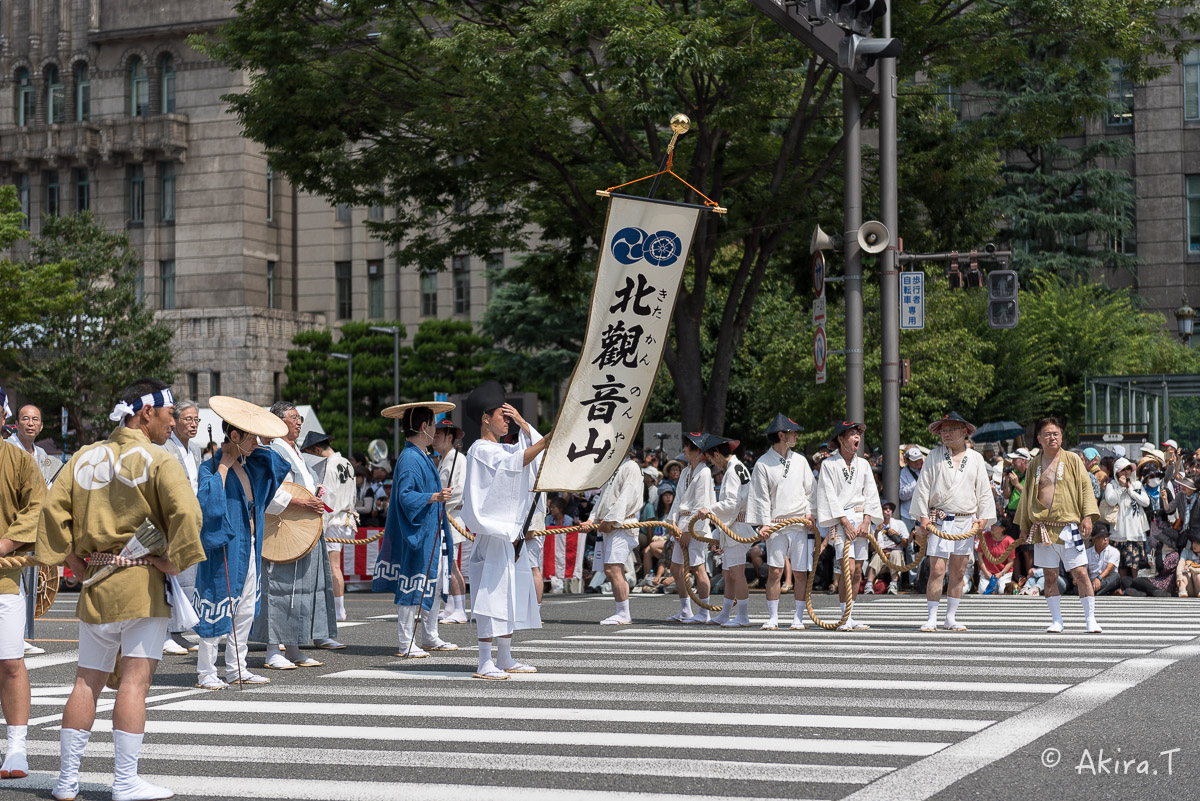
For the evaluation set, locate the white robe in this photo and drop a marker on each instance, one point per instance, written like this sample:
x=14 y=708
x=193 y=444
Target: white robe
x=693 y=492
x=965 y=490
x=620 y=498
x=340 y=496
x=779 y=488
x=49 y=466
x=839 y=491
x=453 y=469
x=176 y=448
x=496 y=501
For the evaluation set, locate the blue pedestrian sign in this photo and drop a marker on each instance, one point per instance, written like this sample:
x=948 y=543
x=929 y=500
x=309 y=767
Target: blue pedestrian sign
x=912 y=300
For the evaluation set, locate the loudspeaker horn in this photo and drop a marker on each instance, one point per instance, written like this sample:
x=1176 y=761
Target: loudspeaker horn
x=873 y=237
x=823 y=241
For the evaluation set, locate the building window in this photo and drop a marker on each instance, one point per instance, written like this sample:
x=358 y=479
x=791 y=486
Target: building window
x=167 y=65
x=1193 y=213
x=341 y=212
x=375 y=212
x=139 y=285
x=25 y=104
x=375 y=288
x=429 y=294
x=1120 y=97
x=52 y=193
x=949 y=99
x=271 y=285
x=83 y=92
x=166 y=273
x=56 y=97
x=139 y=89
x=461 y=270
x=341 y=274
x=194 y=386
x=21 y=179
x=137 y=193
x=276 y=387
x=214 y=383
x=492 y=270
x=83 y=189
x=166 y=173
x=270 y=193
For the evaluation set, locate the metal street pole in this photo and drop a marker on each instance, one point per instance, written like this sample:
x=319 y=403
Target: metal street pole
x=852 y=202
x=349 y=402
x=889 y=276
x=395 y=332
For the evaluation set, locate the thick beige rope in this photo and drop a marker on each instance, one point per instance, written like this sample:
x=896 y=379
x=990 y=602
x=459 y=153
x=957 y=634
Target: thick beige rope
x=349 y=541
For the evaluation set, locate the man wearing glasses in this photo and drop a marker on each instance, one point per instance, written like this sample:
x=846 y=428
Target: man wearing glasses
x=29 y=425
x=187 y=423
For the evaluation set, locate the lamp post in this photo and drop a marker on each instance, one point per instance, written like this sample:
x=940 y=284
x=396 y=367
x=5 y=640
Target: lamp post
x=394 y=330
x=1185 y=316
x=349 y=402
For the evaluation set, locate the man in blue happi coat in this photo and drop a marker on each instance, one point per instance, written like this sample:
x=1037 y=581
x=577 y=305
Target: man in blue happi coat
x=234 y=489
x=416 y=537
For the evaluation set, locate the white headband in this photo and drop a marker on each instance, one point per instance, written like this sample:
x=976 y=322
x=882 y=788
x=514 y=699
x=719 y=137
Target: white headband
x=162 y=397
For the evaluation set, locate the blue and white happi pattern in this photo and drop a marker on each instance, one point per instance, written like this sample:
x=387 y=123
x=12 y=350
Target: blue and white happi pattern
x=406 y=565
x=225 y=535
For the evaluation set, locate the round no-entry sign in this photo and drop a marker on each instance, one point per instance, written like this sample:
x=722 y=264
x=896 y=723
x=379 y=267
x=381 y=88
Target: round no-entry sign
x=819 y=349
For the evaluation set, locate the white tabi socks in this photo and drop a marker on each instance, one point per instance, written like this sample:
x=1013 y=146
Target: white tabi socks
x=16 y=763
x=951 y=608
x=621 y=618
x=772 y=615
x=1089 y=611
x=1055 y=604
x=505 y=661
x=71 y=743
x=339 y=607
x=429 y=629
x=406 y=618
x=685 y=608
x=127 y=785
x=931 y=621
x=722 y=617
x=798 y=616
x=701 y=616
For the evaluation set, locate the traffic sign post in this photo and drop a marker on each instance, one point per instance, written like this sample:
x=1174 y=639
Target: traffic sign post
x=818 y=274
x=912 y=300
x=820 y=352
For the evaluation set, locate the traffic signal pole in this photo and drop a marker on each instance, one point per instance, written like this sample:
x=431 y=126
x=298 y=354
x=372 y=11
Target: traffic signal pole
x=852 y=210
x=889 y=275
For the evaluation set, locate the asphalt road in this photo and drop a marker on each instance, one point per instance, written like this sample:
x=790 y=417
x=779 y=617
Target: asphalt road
x=658 y=710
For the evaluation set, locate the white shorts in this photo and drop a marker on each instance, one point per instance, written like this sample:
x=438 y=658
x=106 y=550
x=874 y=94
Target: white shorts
x=341 y=532
x=696 y=553
x=791 y=543
x=12 y=626
x=534 y=546
x=141 y=638
x=944 y=549
x=617 y=547
x=859 y=549
x=733 y=553
x=1070 y=551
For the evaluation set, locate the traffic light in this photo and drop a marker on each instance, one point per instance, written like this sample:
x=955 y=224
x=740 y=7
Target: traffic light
x=857 y=53
x=1002 y=299
x=855 y=15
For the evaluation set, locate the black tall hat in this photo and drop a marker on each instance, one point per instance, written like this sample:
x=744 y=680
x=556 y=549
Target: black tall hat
x=783 y=423
x=952 y=417
x=842 y=428
x=697 y=438
x=485 y=397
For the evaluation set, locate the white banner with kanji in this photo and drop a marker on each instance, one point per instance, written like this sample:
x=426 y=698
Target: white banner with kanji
x=646 y=244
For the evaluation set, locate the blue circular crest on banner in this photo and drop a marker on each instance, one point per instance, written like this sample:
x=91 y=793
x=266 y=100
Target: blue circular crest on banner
x=628 y=245
x=663 y=249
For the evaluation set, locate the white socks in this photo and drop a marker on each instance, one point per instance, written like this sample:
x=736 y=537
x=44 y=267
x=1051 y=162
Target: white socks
x=773 y=610
x=16 y=762
x=71 y=743
x=127 y=786
x=339 y=607
x=406 y=618
x=505 y=656
x=429 y=623
x=1055 y=604
x=951 y=609
x=798 y=617
x=685 y=606
x=931 y=608
x=485 y=655
x=743 y=612
x=1089 y=613
x=703 y=611
x=623 y=608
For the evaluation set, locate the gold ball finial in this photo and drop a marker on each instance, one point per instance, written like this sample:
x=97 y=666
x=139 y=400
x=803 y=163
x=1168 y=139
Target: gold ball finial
x=680 y=124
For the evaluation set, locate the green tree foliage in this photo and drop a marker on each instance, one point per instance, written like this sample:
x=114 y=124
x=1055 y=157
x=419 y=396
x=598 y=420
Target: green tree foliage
x=445 y=356
x=478 y=121
x=83 y=354
x=29 y=292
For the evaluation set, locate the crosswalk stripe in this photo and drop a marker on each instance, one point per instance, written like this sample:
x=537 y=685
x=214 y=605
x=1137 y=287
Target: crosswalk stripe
x=467 y=760
x=947 y=644
x=732 y=681
x=592 y=739
x=912 y=635
x=577 y=714
x=326 y=790
x=790 y=650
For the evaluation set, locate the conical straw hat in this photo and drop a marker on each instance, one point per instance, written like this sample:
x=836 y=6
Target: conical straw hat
x=292 y=533
x=249 y=417
x=438 y=407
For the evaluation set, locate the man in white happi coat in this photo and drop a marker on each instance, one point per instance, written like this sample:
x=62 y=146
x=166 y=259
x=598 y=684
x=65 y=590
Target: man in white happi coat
x=620 y=502
x=341 y=521
x=187 y=423
x=452 y=467
x=496 y=503
x=730 y=509
x=24 y=436
x=847 y=502
x=782 y=488
x=953 y=493
x=693 y=493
